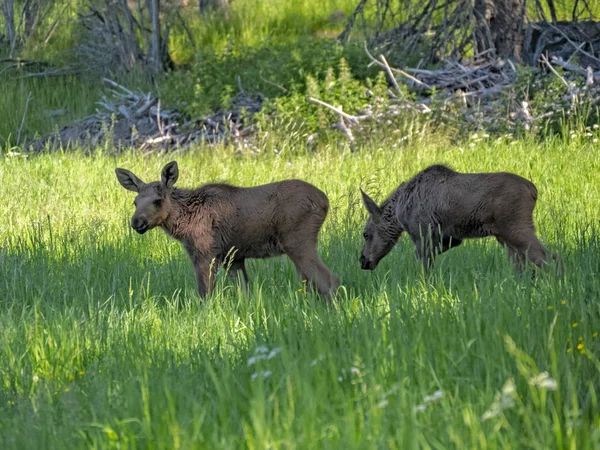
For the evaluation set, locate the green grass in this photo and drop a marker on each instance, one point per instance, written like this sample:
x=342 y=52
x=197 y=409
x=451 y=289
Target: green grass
x=254 y=23
x=54 y=102
x=104 y=343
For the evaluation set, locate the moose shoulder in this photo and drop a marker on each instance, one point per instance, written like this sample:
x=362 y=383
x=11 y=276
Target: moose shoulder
x=439 y=208
x=219 y=221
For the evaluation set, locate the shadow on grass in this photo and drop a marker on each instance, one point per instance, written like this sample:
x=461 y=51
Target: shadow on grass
x=141 y=370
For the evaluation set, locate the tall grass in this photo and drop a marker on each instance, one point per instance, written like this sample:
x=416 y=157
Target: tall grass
x=104 y=343
x=52 y=103
x=255 y=23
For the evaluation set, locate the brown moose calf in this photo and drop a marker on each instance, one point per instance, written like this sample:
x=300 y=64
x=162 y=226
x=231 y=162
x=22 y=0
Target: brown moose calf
x=216 y=221
x=439 y=207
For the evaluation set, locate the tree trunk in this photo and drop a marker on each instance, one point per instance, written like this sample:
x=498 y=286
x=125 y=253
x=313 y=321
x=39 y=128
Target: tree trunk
x=155 y=43
x=30 y=12
x=8 y=8
x=500 y=26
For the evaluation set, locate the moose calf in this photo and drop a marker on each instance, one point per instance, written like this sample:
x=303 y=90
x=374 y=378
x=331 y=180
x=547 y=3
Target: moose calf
x=217 y=220
x=439 y=207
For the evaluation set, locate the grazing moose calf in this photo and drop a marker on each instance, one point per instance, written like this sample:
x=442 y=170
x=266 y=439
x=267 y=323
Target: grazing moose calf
x=439 y=208
x=218 y=220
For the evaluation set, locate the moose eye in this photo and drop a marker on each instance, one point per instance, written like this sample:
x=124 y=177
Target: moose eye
x=366 y=236
x=158 y=203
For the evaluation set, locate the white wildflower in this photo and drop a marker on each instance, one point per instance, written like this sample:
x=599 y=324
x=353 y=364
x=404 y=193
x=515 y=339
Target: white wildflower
x=16 y=154
x=509 y=387
x=354 y=371
x=504 y=400
x=549 y=384
x=382 y=404
x=314 y=362
x=433 y=398
x=437 y=395
x=262 y=352
x=544 y=381
x=262 y=374
x=273 y=353
x=36 y=378
x=492 y=412
x=420 y=408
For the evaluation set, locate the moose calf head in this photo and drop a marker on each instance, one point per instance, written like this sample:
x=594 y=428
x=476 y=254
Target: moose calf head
x=379 y=233
x=152 y=204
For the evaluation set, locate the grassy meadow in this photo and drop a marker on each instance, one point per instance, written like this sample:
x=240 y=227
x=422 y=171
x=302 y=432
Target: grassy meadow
x=105 y=344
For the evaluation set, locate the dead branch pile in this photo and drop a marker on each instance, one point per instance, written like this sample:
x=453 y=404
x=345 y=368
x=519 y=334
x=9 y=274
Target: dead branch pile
x=563 y=40
x=476 y=94
x=127 y=118
x=439 y=29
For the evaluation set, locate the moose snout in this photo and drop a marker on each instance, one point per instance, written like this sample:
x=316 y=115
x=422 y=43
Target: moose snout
x=139 y=224
x=365 y=264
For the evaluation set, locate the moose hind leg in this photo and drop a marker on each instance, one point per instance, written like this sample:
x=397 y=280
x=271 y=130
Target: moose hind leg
x=301 y=247
x=312 y=269
x=515 y=257
x=527 y=245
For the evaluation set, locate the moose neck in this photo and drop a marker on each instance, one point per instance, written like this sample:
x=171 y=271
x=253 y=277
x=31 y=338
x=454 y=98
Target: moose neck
x=390 y=217
x=174 y=223
x=392 y=226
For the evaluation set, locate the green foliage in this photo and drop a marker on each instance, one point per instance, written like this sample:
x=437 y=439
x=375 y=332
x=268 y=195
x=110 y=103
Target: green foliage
x=104 y=343
x=274 y=70
x=53 y=103
x=256 y=23
x=338 y=89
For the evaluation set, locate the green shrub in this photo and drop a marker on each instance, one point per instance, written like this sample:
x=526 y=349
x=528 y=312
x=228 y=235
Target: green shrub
x=273 y=69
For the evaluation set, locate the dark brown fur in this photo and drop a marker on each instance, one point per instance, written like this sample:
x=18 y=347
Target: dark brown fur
x=439 y=208
x=219 y=221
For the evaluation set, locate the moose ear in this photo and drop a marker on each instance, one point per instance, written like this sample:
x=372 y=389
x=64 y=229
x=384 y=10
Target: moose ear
x=170 y=173
x=371 y=206
x=129 y=181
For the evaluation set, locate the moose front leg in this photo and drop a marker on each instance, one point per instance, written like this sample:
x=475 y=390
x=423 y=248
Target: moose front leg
x=449 y=242
x=424 y=253
x=430 y=244
x=238 y=267
x=205 y=270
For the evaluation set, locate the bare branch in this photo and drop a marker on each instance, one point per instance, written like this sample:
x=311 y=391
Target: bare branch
x=23 y=119
x=351 y=119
